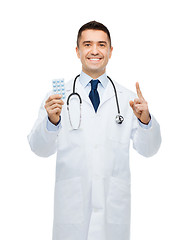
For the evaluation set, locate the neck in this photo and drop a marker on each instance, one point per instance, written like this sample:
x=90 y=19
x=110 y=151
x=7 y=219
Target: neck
x=93 y=75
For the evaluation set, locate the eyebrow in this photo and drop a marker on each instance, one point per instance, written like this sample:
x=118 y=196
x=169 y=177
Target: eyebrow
x=92 y=41
x=103 y=42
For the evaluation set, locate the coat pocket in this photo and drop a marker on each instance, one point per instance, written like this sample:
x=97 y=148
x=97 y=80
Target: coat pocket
x=68 y=207
x=118 y=202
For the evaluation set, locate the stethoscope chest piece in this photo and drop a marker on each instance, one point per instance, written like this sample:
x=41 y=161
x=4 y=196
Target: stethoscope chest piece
x=119 y=119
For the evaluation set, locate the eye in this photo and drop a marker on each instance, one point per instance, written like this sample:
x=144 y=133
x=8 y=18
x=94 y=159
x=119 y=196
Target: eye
x=87 y=45
x=102 y=45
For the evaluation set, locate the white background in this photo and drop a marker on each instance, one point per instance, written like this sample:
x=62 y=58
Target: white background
x=37 y=44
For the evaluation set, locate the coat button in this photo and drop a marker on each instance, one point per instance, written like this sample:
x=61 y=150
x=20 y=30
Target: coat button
x=96 y=209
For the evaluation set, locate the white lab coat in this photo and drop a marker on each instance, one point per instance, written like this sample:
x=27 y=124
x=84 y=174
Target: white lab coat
x=92 y=188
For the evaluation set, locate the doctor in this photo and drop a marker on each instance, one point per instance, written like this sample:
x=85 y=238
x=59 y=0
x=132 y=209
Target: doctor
x=92 y=188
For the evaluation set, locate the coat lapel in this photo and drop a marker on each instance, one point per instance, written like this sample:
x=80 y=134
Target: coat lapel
x=80 y=90
x=108 y=93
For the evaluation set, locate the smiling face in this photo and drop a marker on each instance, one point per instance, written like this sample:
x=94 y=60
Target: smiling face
x=94 y=51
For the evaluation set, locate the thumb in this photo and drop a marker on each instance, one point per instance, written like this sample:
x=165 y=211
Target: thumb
x=131 y=104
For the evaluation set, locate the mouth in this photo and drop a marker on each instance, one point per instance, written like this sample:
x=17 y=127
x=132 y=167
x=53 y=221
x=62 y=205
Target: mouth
x=94 y=59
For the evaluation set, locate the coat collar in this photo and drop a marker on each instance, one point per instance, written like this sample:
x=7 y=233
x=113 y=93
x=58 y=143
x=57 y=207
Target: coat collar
x=108 y=94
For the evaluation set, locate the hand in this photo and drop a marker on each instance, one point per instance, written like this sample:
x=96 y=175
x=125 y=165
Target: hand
x=53 y=106
x=140 y=107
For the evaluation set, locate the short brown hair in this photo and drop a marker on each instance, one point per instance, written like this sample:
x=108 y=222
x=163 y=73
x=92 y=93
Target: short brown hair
x=94 y=26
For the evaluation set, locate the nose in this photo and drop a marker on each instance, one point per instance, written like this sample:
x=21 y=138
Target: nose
x=94 y=49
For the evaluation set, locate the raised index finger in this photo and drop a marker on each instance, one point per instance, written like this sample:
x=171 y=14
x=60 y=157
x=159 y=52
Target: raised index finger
x=139 y=93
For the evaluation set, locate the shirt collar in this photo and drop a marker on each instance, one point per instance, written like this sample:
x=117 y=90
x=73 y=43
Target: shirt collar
x=85 y=79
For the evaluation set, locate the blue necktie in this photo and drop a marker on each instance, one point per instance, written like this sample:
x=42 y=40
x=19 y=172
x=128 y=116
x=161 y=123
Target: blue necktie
x=93 y=95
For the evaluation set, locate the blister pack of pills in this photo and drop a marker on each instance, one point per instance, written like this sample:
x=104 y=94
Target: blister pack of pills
x=59 y=87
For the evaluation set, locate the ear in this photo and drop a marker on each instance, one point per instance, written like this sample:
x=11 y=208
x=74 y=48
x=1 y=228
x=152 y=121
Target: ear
x=110 y=52
x=78 y=52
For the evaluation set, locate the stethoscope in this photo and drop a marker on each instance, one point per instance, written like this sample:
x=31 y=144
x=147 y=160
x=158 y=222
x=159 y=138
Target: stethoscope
x=119 y=118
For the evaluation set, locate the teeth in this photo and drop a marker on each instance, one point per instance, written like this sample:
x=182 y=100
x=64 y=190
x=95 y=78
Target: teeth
x=94 y=59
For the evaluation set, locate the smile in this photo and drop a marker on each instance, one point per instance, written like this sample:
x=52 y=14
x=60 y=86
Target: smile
x=94 y=59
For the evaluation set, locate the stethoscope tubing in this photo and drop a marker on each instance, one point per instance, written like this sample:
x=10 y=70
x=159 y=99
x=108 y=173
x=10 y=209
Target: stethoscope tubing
x=117 y=103
x=119 y=118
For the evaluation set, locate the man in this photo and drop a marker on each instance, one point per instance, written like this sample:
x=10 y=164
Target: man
x=92 y=190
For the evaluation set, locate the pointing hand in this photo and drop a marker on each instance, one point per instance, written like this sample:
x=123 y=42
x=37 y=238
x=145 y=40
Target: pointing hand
x=140 y=106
